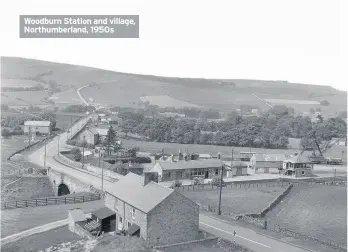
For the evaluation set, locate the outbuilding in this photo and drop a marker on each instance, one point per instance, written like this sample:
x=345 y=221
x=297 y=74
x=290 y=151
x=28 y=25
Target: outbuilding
x=106 y=219
x=33 y=127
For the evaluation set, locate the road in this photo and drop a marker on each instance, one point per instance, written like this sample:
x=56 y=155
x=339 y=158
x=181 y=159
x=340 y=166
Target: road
x=37 y=157
x=244 y=236
x=78 y=92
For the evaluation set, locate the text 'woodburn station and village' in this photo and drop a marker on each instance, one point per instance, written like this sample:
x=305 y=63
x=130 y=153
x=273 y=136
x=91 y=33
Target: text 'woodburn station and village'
x=96 y=25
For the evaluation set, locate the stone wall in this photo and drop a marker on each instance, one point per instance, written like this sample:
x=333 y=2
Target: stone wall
x=175 y=219
x=288 y=232
x=231 y=246
x=211 y=241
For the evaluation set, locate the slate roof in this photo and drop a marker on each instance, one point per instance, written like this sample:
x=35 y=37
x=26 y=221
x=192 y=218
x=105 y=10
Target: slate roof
x=270 y=157
x=130 y=189
x=103 y=213
x=191 y=164
x=37 y=123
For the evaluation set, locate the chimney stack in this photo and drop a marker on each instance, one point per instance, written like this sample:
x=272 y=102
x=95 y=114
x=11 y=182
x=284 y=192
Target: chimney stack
x=150 y=176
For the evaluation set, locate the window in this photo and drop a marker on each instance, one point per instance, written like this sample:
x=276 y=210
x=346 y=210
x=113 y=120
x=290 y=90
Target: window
x=133 y=212
x=128 y=224
x=216 y=171
x=302 y=172
x=120 y=219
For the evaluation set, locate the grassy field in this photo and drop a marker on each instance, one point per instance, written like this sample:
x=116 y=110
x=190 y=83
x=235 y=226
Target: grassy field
x=28 y=188
x=237 y=200
x=167 y=101
x=20 y=219
x=50 y=239
x=318 y=211
x=25 y=98
x=198 y=148
x=125 y=89
x=20 y=83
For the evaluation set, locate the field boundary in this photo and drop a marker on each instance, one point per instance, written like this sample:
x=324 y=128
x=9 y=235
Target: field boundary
x=272 y=226
x=49 y=201
x=28 y=147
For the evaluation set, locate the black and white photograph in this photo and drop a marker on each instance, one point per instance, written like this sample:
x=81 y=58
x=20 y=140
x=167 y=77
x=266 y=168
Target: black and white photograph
x=167 y=126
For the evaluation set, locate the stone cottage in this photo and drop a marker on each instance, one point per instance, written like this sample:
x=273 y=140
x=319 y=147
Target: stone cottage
x=157 y=214
x=267 y=163
x=90 y=134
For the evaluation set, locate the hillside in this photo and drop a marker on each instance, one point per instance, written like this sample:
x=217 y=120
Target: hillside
x=123 y=89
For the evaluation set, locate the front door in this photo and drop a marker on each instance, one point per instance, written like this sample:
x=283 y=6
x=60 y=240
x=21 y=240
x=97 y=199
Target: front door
x=206 y=174
x=120 y=223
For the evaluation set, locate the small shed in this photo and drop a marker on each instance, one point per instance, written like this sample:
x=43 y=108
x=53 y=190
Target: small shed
x=106 y=218
x=74 y=216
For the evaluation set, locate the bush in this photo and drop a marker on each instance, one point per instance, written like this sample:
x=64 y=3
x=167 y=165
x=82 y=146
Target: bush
x=18 y=132
x=216 y=181
x=196 y=181
x=78 y=156
x=177 y=183
x=75 y=150
x=5 y=132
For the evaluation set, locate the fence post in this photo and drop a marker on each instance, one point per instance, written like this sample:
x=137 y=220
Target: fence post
x=83 y=198
x=26 y=203
x=65 y=200
x=74 y=199
x=16 y=203
x=46 y=201
x=36 y=202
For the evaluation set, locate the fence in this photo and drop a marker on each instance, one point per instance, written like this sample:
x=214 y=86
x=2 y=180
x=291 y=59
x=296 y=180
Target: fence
x=49 y=201
x=232 y=185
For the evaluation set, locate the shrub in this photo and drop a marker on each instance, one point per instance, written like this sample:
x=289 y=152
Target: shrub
x=177 y=183
x=78 y=156
x=216 y=181
x=5 y=132
x=75 y=150
x=196 y=181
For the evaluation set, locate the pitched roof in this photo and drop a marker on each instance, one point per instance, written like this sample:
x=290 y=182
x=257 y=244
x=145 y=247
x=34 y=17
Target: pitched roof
x=102 y=132
x=300 y=158
x=270 y=157
x=191 y=164
x=104 y=212
x=77 y=214
x=131 y=190
x=37 y=123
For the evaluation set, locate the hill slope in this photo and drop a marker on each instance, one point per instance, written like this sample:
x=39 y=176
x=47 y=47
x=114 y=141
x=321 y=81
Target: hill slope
x=121 y=89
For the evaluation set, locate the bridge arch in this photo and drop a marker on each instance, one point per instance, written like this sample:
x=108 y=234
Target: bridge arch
x=63 y=189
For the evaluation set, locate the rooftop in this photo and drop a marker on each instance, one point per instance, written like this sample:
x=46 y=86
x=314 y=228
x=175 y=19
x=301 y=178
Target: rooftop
x=299 y=158
x=191 y=164
x=102 y=132
x=37 y=123
x=103 y=213
x=131 y=190
x=77 y=214
x=270 y=157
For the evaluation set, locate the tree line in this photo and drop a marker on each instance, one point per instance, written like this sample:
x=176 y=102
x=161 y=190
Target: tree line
x=269 y=130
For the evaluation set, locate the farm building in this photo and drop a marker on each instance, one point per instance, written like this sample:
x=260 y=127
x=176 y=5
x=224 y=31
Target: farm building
x=204 y=156
x=182 y=169
x=91 y=136
x=246 y=156
x=267 y=163
x=166 y=217
x=105 y=219
x=33 y=127
x=102 y=133
x=299 y=166
x=235 y=168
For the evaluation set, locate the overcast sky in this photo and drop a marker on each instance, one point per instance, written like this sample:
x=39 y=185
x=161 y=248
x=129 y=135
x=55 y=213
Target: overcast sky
x=296 y=40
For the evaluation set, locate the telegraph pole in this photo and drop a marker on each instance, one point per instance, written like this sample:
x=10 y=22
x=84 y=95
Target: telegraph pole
x=335 y=176
x=221 y=181
x=45 y=154
x=71 y=125
x=29 y=134
x=58 y=143
x=83 y=151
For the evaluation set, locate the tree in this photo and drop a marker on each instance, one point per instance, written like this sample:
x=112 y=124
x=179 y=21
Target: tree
x=111 y=137
x=5 y=132
x=76 y=152
x=133 y=151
